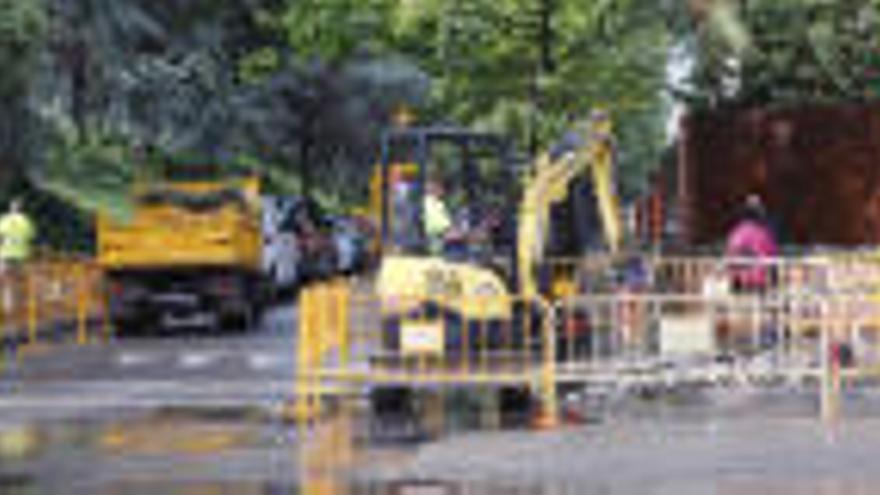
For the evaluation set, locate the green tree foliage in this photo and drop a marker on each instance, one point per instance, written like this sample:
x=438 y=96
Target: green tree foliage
x=121 y=75
x=792 y=52
x=332 y=31
x=23 y=25
x=302 y=88
x=334 y=80
x=86 y=82
x=523 y=67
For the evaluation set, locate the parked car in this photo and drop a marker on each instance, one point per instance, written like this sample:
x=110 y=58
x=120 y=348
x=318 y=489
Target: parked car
x=301 y=243
x=352 y=245
x=315 y=239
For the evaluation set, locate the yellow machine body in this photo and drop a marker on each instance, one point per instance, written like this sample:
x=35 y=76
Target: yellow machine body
x=162 y=234
x=475 y=293
x=546 y=184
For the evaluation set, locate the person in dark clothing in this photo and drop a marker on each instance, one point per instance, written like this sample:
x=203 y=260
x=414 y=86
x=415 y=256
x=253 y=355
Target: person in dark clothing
x=754 y=210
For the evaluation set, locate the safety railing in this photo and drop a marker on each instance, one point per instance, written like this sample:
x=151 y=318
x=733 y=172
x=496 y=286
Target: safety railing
x=645 y=339
x=350 y=338
x=606 y=274
x=51 y=299
x=692 y=275
x=808 y=320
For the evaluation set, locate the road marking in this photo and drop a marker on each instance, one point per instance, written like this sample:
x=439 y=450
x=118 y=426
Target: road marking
x=265 y=361
x=201 y=359
x=90 y=395
x=196 y=360
x=131 y=359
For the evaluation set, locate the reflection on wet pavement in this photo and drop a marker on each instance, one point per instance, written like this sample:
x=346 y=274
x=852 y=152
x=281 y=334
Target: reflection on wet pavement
x=197 y=451
x=205 y=452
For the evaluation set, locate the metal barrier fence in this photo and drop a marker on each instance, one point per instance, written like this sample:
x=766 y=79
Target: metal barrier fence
x=50 y=298
x=601 y=274
x=657 y=339
x=349 y=338
x=810 y=320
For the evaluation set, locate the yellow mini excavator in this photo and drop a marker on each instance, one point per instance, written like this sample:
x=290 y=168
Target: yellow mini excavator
x=507 y=220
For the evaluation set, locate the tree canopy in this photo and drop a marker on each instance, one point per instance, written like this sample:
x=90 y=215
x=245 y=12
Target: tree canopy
x=785 y=52
x=92 y=90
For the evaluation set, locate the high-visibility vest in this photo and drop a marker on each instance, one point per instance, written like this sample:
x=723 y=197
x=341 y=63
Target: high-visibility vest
x=437 y=219
x=16 y=234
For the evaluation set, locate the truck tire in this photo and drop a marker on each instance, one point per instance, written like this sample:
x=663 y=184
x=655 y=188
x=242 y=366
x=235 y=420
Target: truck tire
x=238 y=321
x=242 y=312
x=129 y=326
x=247 y=319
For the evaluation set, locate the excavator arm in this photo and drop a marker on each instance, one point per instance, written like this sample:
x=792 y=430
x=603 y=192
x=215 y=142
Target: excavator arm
x=589 y=151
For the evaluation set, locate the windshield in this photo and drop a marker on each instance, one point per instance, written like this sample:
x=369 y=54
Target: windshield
x=450 y=197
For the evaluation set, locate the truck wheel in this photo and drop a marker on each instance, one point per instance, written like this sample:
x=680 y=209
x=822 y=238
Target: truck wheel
x=240 y=321
x=129 y=327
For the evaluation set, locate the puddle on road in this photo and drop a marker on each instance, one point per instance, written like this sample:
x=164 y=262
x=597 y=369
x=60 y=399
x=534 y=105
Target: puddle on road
x=17 y=484
x=165 y=432
x=202 y=451
x=388 y=488
x=206 y=451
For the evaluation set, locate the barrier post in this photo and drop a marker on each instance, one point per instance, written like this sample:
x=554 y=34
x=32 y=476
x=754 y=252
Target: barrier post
x=303 y=394
x=5 y=309
x=830 y=375
x=81 y=305
x=343 y=300
x=31 y=303
x=549 y=413
x=106 y=324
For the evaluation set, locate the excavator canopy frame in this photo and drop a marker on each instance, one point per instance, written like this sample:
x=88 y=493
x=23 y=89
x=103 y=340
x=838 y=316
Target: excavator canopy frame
x=412 y=149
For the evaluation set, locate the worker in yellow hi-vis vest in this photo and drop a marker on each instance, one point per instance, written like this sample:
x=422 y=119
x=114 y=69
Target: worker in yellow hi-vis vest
x=437 y=221
x=16 y=235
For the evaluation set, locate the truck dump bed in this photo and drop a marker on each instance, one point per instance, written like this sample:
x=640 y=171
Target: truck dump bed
x=197 y=224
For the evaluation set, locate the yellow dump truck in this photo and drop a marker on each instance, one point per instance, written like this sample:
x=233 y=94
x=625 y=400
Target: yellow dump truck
x=190 y=256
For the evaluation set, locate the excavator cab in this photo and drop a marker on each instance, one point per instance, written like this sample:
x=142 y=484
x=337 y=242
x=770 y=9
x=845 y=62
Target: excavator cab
x=476 y=174
x=514 y=222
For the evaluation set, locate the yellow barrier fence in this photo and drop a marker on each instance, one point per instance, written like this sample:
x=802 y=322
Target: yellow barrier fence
x=50 y=299
x=350 y=338
x=812 y=320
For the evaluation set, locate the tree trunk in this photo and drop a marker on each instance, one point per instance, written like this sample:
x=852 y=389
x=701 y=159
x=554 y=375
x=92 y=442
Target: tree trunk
x=547 y=36
x=77 y=62
x=545 y=64
x=14 y=140
x=306 y=144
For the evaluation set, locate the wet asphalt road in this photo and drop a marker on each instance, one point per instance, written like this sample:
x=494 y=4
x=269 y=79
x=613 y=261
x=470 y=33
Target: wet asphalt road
x=199 y=414
x=243 y=369
x=184 y=414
